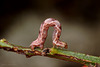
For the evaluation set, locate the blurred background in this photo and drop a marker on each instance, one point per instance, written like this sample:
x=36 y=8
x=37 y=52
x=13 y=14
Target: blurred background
x=20 y=22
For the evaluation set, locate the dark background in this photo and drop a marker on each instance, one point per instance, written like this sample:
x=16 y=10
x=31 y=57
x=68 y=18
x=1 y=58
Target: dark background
x=20 y=21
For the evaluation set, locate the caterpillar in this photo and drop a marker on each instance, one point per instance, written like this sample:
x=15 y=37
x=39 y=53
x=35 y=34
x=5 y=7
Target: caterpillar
x=50 y=22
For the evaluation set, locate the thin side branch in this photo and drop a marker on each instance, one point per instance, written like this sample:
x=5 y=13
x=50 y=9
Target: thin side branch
x=51 y=52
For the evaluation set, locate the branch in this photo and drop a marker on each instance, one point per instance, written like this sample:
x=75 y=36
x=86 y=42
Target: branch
x=51 y=52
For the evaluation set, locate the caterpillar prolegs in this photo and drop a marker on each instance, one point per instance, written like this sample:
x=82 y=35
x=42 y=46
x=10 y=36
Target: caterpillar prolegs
x=50 y=22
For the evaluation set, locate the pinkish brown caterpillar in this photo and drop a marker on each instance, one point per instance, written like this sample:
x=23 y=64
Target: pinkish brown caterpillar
x=39 y=42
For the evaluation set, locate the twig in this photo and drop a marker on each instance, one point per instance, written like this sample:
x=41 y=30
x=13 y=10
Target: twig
x=51 y=52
